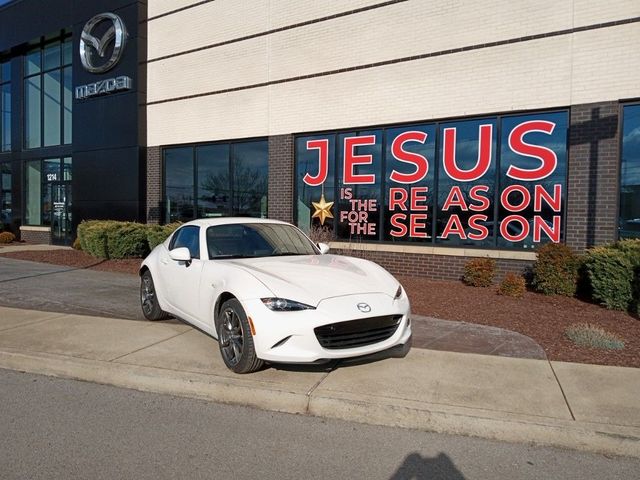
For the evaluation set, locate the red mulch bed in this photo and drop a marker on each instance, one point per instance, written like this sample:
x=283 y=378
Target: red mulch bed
x=543 y=318
x=77 y=259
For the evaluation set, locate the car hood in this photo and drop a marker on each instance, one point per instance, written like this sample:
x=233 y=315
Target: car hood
x=312 y=278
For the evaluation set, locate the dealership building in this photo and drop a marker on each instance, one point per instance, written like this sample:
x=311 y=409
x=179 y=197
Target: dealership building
x=416 y=134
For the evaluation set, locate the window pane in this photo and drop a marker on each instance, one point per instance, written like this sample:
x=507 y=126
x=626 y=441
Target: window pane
x=410 y=170
x=188 y=237
x=5 y=194
x=50 y=174
x=32 y=61
x=67 y=53
x=5 y=117
x=531 y=200
x=359 y=194
x=179 y=184
x=66 y=168
x=33 y=112
x=5 y=72
x=52 y=108
x=68 y=105
x=33 y=198
x=249 y=164
x=316 y=162
x=51 y=57
x=466 y=183
x=630 y=174
x=214 y=183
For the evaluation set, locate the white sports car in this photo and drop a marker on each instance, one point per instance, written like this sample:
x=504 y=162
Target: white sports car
x=268 y=293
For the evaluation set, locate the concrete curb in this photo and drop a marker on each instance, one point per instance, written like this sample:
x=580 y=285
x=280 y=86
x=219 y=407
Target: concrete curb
x=591 y=437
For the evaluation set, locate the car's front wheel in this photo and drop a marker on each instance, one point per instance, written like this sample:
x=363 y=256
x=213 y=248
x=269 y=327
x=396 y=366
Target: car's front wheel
x=235 y=339
x=149 y=299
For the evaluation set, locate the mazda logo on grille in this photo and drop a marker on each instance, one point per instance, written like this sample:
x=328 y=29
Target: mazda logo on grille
x=94 y=48
x=364 y=307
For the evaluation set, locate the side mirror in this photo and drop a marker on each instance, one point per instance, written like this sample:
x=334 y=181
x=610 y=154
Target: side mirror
x=180 y=254
x=324 y=248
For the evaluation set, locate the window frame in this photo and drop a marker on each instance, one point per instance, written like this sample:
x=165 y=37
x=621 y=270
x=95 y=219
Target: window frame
x=622 y=106
x=62 y=37
x=194 y=159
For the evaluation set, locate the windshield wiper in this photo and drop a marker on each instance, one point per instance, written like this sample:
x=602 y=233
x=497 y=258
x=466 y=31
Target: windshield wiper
x=225 y=257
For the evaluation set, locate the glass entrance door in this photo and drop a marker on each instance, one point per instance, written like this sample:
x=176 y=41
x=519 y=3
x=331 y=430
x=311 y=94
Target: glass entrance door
x=61 y=220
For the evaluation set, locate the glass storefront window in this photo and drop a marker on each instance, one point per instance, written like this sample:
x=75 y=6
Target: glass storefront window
x=5 y=194
x=33 y=193
x=216 y=180
x=48 y=94
x=485 y=182
x=466 y=183
x=359 y=197
x=629 y=222
x=5 y=106
x=178 y=168
x=533 y=170
x=249 y=164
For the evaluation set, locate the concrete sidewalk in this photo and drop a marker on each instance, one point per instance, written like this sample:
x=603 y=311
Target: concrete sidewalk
x=587 y=407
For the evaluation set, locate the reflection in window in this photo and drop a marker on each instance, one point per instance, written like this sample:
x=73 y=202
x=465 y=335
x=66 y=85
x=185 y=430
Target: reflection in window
x=530 y=211
x=466 y=182
x=5 y=106
x=315 y=180
x=359 y=204
x=629 y=223
x=48 y=98
x=33 y=196
x=5 y=195
x=215 y=180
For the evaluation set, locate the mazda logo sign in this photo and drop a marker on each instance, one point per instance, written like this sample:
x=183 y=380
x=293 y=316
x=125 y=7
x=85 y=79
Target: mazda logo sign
x=94 y=48
x=364 y=307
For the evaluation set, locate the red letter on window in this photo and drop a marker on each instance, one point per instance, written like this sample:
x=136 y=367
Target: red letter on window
x=396 y=219
x=454 y=227
x=399 y=153
x=553 y=231
x=455 y=199
x=398 y=198
x=484 y=155
x=475 y=195
x=474 y=225
x=539 y=194
x=323 y=156
x=351 y=159
x=547 y=157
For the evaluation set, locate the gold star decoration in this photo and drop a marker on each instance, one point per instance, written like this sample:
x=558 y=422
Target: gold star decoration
x=322 y=209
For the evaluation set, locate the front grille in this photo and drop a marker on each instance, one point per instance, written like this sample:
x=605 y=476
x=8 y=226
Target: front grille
x=357 y=333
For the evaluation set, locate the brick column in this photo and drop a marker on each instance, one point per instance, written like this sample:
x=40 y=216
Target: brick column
x=593 y=182
x=154 y=185
x=281 y=164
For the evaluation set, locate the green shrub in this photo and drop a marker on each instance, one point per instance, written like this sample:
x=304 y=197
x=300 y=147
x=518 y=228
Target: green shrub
x=479 y=272
x=631 y=248
x=76 y=244
x=93 y=236
x=555 y=271
x=7 y=237
x=127 y=240
x=610 y=276
x=156 y=234
x=588 y=335
x=512 y=285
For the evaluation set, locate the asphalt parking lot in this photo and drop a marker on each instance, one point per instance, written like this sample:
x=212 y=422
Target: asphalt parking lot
x=55 y=288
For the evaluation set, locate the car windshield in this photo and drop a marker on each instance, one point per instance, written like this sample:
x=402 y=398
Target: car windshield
x=248 y=240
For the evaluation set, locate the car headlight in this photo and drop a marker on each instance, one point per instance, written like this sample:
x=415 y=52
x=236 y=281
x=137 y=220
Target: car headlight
x=284 y=305
x=398 y=292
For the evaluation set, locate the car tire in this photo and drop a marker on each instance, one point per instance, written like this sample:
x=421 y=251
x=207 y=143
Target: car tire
x=235 y=340
x=149 y=299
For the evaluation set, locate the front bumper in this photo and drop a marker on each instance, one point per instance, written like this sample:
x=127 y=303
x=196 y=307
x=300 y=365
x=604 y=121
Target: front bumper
x=289 y=337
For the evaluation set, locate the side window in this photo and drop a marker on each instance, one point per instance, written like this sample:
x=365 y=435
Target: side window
x=187 y=237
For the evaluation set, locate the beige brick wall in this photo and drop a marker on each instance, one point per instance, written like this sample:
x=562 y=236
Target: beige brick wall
x=583 y=67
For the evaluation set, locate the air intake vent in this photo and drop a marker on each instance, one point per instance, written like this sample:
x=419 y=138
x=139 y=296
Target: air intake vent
x=357 y=333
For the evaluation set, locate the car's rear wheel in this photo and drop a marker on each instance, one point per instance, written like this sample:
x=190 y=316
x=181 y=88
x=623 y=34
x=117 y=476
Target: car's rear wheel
x=235 y=339
x=149 y=300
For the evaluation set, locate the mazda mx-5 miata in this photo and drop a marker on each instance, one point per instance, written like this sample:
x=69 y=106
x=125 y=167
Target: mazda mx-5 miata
x=268 y=293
